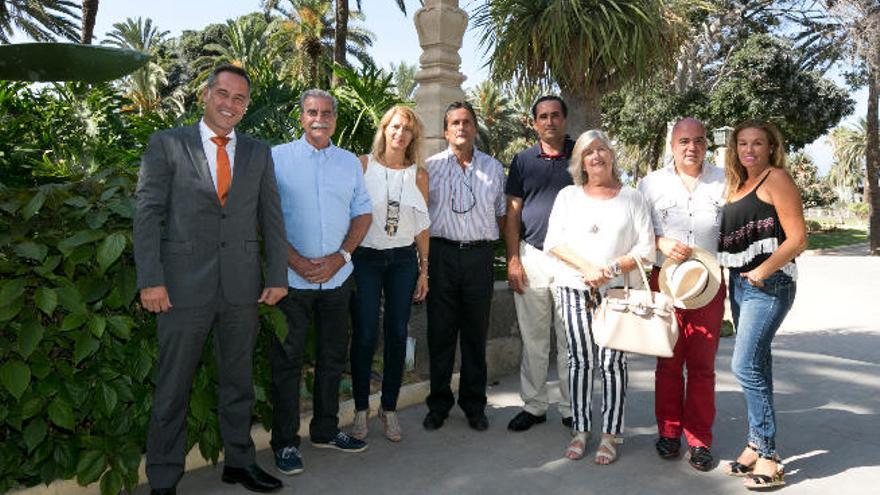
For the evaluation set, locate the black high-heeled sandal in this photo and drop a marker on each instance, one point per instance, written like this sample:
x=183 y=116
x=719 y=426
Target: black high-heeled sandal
x=759 y=482
x=739 y=469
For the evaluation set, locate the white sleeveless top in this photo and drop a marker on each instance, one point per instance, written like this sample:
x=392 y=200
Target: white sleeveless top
x=384 y=184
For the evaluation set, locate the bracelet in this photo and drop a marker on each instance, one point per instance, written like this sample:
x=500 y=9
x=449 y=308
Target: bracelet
x=615 y=268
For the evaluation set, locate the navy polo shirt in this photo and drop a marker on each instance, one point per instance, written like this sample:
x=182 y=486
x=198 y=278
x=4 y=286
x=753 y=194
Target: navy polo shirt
x=537 y=179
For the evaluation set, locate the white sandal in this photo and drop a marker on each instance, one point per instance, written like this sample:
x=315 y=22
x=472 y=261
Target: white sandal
x=575 y=449
x=609 y=443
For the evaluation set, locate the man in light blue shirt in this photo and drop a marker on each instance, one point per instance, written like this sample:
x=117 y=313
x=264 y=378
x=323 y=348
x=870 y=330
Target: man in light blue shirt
x=326 y=214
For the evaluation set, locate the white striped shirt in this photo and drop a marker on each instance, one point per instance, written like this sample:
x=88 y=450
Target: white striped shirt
x=464 y=203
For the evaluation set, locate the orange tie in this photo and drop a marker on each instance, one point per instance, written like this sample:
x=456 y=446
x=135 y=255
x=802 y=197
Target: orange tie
x=224 y=170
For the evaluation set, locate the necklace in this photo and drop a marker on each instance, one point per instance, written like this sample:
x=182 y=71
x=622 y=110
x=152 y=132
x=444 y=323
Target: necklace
x=392 y=210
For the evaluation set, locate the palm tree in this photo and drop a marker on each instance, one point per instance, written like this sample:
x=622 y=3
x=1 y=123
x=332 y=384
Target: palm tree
x=245 y=45
x=89 y=14
x=587 y=47
x=41 y=20
x=143 y=86
x=404 y=79
x=497 y=125
x=306 y=35
x=340 y=42
x=848 y=171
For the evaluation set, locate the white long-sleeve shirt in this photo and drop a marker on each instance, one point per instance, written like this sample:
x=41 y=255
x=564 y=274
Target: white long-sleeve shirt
x=599 y=231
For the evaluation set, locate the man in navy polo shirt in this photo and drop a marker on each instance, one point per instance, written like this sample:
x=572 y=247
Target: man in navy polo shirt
x=536 y=176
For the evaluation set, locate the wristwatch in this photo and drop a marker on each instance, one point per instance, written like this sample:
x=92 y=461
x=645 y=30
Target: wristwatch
x=615 y=268
x=345 y=255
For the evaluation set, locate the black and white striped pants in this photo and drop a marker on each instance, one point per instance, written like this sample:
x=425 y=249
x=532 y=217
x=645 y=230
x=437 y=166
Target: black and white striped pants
x=576 y=307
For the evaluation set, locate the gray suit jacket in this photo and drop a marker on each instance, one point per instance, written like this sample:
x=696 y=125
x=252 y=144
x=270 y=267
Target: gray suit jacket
x=184 y=239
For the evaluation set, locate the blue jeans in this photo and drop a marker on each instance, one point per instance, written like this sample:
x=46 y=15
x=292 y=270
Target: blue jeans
x=376 y=271
x=757 y=314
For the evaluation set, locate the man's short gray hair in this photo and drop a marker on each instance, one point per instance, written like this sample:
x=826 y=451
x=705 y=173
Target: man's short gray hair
x=315 y=93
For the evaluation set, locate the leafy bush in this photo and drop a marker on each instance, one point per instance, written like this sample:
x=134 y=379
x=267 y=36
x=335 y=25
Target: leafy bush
x=77 y=352
x=813 y=226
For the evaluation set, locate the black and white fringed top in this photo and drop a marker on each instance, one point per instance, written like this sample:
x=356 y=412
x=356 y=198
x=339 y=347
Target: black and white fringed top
x=750 y=233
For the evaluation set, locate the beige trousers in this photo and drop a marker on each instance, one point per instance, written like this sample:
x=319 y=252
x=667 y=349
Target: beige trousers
x=537 y=318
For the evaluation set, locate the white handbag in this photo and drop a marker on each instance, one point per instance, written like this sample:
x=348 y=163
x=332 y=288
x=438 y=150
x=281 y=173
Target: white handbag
x=636 y=320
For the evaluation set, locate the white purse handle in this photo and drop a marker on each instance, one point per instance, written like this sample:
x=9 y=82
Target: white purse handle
x=644 y=277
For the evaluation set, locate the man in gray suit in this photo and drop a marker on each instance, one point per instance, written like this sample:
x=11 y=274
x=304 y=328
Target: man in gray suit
x=204 y=196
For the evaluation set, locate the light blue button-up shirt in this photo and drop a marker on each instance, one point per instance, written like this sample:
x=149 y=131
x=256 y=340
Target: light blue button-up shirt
x=321 y=191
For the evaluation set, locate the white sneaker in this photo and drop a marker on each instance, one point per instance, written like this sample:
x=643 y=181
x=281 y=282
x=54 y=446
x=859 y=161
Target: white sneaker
x=391 y=424
x=359 y=428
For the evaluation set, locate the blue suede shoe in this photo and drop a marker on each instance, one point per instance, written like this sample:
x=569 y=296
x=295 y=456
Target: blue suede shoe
x=288 y=460
x=342 y=442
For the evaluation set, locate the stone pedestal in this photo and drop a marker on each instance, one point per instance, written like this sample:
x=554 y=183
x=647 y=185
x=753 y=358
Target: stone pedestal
x=441 y=25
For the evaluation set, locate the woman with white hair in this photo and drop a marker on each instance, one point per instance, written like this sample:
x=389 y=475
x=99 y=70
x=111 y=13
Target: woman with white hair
x=598 y=227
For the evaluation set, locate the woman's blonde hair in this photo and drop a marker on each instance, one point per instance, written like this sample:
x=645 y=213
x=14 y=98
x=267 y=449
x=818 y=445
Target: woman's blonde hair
x=734 y=171
x=576 y=162
x=413 y=153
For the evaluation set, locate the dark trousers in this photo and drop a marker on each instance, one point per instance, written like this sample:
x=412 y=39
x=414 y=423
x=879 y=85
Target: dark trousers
x=182 y=333
x=392 y=272
x=331 y=316
x=459 y=301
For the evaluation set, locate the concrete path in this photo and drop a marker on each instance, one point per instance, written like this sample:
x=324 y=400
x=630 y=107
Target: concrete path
x=827 y=379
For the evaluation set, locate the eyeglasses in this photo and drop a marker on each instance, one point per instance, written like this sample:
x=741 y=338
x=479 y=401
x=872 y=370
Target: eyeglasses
x=392 y=218
x=462 y=198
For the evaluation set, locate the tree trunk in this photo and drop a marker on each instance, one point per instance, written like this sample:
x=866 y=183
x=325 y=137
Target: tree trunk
x=584 y=110
x=872 y=161
x=341 y=40
x=89 y=14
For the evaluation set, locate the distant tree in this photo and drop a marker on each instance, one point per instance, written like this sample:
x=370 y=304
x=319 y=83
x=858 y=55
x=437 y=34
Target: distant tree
x=587 y=47
x=497 y=124
x=340 y=42
x=848 y=171
x=42 y=20
x=814 y=191
x=307 y=35
x=144 y=86
x=244 y=43
x=405 y=79
x=764 y=80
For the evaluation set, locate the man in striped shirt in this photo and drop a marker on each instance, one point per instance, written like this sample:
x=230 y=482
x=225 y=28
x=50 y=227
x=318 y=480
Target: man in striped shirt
x=467 y=209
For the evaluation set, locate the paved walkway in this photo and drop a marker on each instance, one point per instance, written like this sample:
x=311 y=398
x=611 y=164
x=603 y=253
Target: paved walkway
x=827 y=369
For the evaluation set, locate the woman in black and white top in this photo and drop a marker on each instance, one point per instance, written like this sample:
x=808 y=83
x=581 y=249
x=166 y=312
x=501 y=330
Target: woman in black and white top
x=762 y=231
x=392 y=261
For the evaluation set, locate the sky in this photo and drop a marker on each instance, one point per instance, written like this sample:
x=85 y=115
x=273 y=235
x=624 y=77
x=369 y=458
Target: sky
x=396 y=38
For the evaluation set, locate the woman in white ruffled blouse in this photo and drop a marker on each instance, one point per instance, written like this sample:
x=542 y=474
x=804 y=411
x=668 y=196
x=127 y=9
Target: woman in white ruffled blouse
x=392 y=260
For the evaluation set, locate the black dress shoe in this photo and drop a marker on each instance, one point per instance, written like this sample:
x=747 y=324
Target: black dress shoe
x=252 y=477
x=567 y=421
x=479 y=422
x=525 y=420
x=668 y=448
x=701 y=458
x=433 y=421
x=164 y=491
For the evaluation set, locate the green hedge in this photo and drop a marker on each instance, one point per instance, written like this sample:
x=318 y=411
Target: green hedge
x=77 y=352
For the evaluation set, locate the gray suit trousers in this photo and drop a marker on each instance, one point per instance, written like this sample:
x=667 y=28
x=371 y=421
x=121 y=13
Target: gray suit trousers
x=182 y=333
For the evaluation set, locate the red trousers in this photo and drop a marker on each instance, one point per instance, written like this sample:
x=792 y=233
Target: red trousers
x=689 y=407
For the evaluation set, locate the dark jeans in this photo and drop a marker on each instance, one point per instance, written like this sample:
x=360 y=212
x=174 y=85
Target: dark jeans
x=459 y=301
x=376 y=271
x=757 y=314
x=330 y=310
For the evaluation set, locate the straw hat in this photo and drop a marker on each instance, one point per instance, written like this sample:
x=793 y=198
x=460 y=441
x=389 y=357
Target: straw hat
x=692 y=283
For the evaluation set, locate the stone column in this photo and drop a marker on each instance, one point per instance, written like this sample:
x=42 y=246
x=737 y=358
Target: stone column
x=441 y=25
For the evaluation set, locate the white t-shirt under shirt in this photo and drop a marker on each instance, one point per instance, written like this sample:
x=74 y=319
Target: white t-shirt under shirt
x=384 y=184
x=600 y=231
